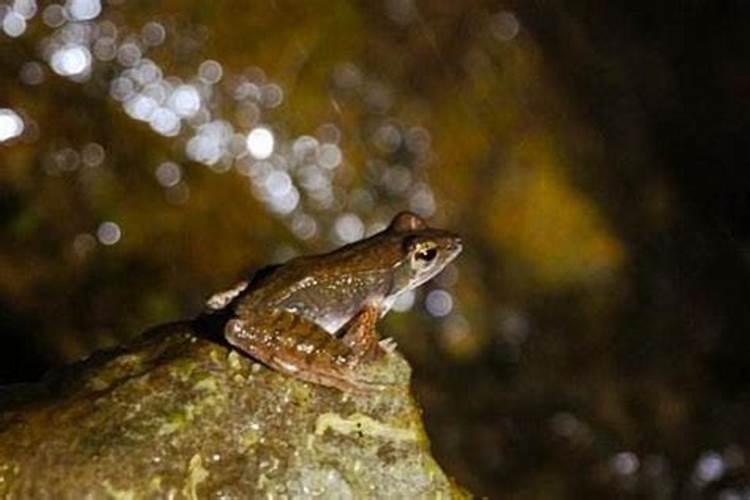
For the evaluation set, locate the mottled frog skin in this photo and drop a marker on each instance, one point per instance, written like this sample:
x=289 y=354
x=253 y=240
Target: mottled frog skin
x=314 y=317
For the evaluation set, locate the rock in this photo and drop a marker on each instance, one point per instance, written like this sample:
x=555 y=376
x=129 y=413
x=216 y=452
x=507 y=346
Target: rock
x=179 y=415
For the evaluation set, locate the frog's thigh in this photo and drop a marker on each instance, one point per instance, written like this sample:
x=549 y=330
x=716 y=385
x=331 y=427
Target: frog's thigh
x=360 y=334
x=296 y=346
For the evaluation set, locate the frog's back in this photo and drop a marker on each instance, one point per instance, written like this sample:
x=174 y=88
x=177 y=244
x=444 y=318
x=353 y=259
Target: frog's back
x=312 y=287
x=271 y=285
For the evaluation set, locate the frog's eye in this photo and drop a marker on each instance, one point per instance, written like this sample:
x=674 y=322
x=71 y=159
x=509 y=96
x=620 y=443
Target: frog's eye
x=426 y=254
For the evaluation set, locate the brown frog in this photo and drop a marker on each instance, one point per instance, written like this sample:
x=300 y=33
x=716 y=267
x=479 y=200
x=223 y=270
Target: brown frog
x=314 y=317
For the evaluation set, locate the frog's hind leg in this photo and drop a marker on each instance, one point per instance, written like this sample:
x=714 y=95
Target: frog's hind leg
x=298 y=347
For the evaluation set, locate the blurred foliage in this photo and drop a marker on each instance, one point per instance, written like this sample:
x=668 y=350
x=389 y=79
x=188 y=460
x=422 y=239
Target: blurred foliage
x=586 y=152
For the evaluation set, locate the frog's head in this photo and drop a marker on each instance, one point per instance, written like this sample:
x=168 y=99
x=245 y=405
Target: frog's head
x=425 y=251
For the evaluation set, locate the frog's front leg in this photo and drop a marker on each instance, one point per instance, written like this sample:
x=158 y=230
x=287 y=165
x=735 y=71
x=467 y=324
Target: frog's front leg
x=361 y=337
x=296 y=346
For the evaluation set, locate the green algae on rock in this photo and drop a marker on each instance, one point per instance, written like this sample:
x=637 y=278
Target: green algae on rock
x=177 y=415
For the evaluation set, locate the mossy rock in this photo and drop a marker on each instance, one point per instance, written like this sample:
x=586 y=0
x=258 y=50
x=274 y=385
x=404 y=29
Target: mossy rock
x=181 y=415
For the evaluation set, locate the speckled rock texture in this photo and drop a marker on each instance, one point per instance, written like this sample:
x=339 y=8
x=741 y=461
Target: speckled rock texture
x=181 y=415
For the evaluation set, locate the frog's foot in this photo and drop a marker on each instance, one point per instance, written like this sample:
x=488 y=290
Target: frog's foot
x=323 y=372
x=220 y=300
x=298 y=347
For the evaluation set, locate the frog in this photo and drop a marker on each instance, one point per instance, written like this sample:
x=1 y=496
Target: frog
x=314 y=317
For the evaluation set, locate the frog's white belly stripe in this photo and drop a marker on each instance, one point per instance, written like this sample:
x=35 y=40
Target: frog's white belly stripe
x=334 y=321
x=387 y=303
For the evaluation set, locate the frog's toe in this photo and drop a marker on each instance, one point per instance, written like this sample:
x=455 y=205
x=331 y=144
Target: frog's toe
x=350 y=381
x=222 y=299
x=388 y=344
x=361 y=385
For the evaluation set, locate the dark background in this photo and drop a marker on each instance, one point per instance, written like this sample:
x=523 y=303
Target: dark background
x=591 y=154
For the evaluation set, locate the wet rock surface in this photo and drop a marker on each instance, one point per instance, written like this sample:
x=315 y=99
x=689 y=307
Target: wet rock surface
x=179 y=415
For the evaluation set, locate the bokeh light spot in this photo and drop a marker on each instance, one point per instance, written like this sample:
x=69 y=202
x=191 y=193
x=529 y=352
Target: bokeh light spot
x=260 y=143
x=210 y=142
x=404 y=301
x=165 y=122
x=14 y=24
x=272 y=95
x=71 y=60
x=67 y=159
x=108 y=233
x=504 y=26
x=140 y=107
x=32 y=73
x=349 y=227
x=397 y=179
x=210 y=71
x=153 y=34
x=185 y=101
x=53 y=15
x=625 y=463
x=26 y=8
x=439 y=303
x=121 y=88
x=285 y=204
x=329 y=156
x=11 y=125
x=421 y=200
x=304 y=148
x=168 y=174
x=709 y=468
x=93 y=154
x=105 y=49
x=129 y=54
x=387 y=138
x=278 y=184
x=456 y=337
x=83 y=10
x=304 y=226
x=83 y=245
